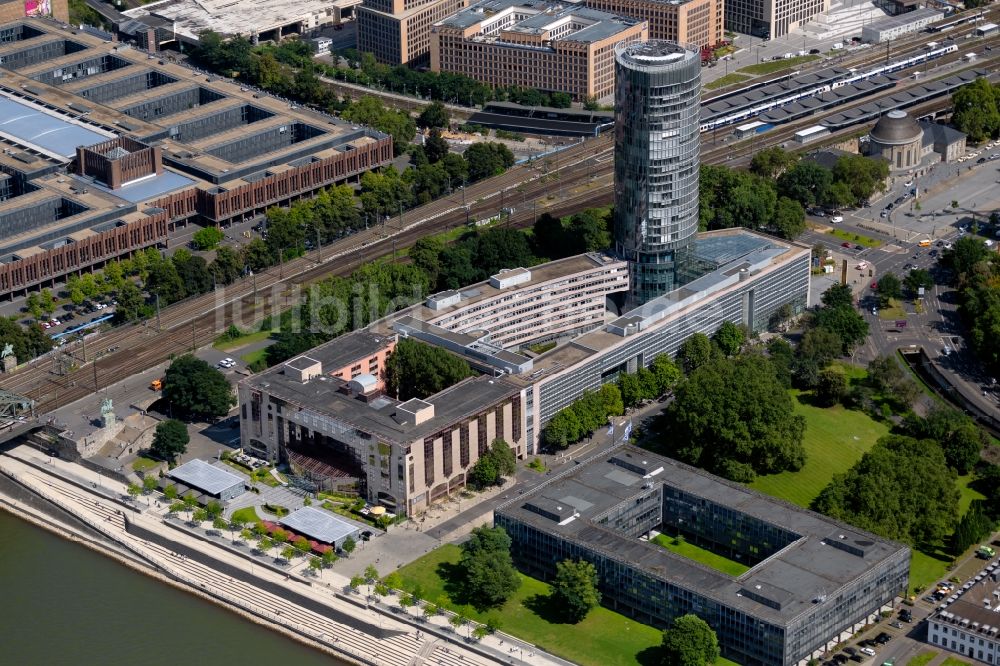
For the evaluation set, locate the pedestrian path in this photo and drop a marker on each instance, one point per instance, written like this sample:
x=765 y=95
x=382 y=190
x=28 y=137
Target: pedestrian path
x=413 y=636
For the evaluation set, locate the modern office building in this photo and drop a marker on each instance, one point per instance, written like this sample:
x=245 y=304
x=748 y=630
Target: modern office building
x=398 y=32
x=771 y=18
x=968 y=622
x=812 y=582
x=695 y=22
x=657 y=151
x=104 y=149
x=538 y=44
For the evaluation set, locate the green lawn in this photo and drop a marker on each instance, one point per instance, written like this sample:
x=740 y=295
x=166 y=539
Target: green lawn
x=729 y=79
x=952 y=661
x=604 y=638
x=225 y=344
x=968 y=494
x=922 y=659
x=254 y=356
x=247 y=515
x=835 y=439
x=772 y=66
x=858 y=239
x=142 y=464
x=892 y=311
x=700 y=555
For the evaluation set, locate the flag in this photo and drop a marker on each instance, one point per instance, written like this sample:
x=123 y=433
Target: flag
x=611 y=429
x=628 y=432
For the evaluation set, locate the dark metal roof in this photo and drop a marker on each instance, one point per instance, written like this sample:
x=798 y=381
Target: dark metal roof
x=896 y=127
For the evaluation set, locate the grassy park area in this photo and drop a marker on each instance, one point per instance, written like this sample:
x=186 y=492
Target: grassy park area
x=858 y=239
x=700 y=555
x=603 y=638
x=247 y=514
x=772 y=66
x=922 y=659
x=728 y=80
x=226 y=343
x=835 y=439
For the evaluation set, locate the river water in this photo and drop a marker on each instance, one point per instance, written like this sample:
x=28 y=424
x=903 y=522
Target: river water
x=64 y=604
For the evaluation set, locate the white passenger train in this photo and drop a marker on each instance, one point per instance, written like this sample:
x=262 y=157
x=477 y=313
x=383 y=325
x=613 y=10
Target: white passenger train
x=851 y=76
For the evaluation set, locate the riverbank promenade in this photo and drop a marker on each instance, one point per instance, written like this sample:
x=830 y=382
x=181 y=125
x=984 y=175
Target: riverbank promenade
x=301 y=606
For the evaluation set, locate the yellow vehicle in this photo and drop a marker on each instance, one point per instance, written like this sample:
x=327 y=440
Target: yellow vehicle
x=156 y=384
x=925 y=243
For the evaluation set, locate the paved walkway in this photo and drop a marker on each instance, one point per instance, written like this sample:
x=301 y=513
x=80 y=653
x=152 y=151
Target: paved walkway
x=420 y=641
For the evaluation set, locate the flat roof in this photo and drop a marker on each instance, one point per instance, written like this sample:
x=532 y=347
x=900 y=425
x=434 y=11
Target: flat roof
x=901 y=20
x=805 y=569
x=537 y=17
x=145 y=188
x=43 y=130
x=318 y=524
x=205 y=477
x=324 y=396
x=232 y=17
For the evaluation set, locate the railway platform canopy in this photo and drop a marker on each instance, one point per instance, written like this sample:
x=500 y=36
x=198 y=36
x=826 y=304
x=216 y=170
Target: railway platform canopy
x=903 y=99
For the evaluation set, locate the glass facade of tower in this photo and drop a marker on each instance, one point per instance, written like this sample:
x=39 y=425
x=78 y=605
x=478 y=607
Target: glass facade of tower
x=657 y=149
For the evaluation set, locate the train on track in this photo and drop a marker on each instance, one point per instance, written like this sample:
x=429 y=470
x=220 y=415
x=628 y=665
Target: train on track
x=832 y=79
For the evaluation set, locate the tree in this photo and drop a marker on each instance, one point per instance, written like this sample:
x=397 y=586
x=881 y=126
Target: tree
x=734 y=418
x=666 y=373
x=862 y=175
x=164 y=281
x=846 y=323
x=817 y=348
x=976 y=525
x=148 y=484
x=207 y=238
x=771 y=162
x=562 y=429
x=490 y=577
x=694 y=352
x=133 y=490
x=832 y=386
x=916 y=279
x=418 y=370
x=889 y=287
x=807 y=183
x=196 y=389
x=965 y=254
x=690 y=642
x=497 y=462
x=487 y=159
x=729 y=338
x=887 y=377
x=348 y=545
x=574 y=589
x=356 y=582
x=226 y=267
x=194 y=273
x=901 y=489
x=549 y=234
x=789 y=218
x=960 y=438
x=170 y=440
x=131 y=304
x=588 y=232
x=976 y=110
x=436 y=148
x=838 y=296
x=434 y=115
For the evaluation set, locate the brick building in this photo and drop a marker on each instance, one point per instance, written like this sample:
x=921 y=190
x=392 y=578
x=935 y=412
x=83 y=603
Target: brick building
x=104 y=149
x=398 y=32
x=695 y=22
x=534 y=44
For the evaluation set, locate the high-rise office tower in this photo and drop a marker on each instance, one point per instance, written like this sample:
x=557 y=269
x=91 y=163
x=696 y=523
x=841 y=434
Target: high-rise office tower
x=657 y=148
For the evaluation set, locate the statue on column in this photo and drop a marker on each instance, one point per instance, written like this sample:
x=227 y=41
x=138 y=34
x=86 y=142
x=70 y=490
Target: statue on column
x=8 y=362
x=108 y=418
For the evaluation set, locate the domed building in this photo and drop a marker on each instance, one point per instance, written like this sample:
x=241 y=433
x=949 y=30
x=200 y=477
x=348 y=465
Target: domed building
x=899 y=139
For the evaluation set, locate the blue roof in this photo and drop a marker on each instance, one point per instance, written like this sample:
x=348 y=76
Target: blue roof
x=36 y=129
x=147 y=188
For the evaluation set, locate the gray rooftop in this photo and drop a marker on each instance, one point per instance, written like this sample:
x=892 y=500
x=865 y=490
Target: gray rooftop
x=47 y=131
x=145 y=188
x=206 y=478
x=900 y=20
x=318 y=525
x=793 y=577
x=543 y=13
x=324 y=396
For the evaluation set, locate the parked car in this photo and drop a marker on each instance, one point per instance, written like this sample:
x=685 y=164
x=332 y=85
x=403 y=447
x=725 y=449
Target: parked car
x=836 y=219
x=845 y=244
x=883 y=638
x=868 y=651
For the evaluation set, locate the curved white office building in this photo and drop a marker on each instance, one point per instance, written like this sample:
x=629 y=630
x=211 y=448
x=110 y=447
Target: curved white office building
x=657 y=147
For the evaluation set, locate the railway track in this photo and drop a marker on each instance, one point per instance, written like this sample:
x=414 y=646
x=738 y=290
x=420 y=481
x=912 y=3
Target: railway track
x=196 y=322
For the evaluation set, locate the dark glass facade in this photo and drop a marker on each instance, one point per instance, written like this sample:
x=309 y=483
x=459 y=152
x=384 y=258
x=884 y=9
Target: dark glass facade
x=657 y=149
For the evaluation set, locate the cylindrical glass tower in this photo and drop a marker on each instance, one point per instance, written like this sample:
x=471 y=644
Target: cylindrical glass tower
x=657 y=147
